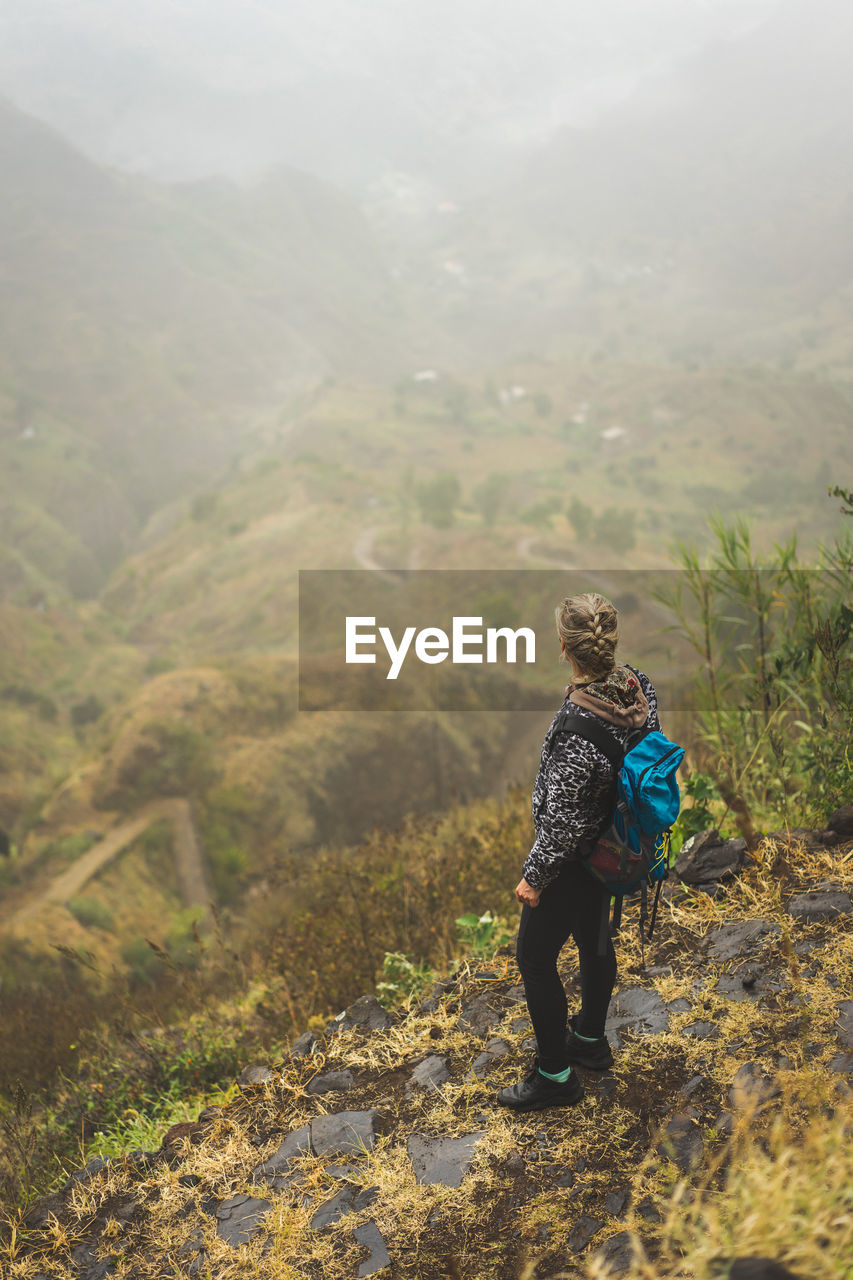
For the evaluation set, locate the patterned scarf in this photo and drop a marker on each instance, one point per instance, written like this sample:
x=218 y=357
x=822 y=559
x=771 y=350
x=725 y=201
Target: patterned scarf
x=617 y=698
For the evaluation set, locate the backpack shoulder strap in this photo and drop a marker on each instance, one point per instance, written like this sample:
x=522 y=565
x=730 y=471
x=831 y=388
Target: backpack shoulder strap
x=595 y=733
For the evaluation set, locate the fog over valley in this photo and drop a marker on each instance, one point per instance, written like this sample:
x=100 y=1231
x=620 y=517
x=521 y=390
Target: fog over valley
x=341 y=326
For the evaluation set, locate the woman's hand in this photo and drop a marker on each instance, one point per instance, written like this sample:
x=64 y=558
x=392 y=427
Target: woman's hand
x=526 y=893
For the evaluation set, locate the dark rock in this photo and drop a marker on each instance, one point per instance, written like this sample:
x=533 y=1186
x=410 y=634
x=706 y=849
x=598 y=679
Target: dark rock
x=89 y=1266
x=366 y=1014
x=566 y=1179
x=693 y=1085
x=516 y=995
x=100 y=1270
x=842 y=1063
x=725 y=1123
x=333 y=1209
x=430 y=1073
x=274 y=1170
x=440 y=1159
x=820 y=906
x=709 y=838
x=478 y=1017
x=682 y=1142
x=845 y=1024
x=751 y=1088
x=732 y=988
x=730 y=940
x=303 y=1045
x=616 y=1255
x=255 y=1075
x=712 y=889
x=369 y=1235
x=126 y=1211
x=648 y=1209
x=639 y=1010
x=705 y=858
x=616 y=1203
x=759 y=1269
x=175 y=1137
x=341 y=1170
x=841 y=822
x=239 y=1218
x=585 y=1229
x=331 y=1082
x=343 y=1133
x=364 y=1198
x=428 y=1006
x=702 y=1030
x=189 y=1180
x=42 y=1210
x=90 y=1170
x=494 y=1049
x=680 y=1005
x=750 y=973
x=195 y=1244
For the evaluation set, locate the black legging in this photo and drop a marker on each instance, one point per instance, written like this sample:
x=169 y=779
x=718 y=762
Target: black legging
x=570 y=904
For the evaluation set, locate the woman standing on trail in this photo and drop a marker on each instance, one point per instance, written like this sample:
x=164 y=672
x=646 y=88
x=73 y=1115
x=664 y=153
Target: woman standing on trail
x=571 y=799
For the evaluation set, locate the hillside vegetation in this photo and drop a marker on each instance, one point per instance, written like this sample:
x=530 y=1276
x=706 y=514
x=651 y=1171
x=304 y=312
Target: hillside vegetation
x=722 y=1131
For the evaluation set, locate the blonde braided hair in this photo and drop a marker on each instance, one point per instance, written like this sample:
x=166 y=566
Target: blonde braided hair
x=588 y=626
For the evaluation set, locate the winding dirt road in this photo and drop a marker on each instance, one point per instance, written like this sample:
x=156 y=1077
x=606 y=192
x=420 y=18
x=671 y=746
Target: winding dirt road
x=190 y=865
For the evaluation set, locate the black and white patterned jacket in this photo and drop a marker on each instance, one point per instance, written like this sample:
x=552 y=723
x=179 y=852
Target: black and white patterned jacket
x=572 y=790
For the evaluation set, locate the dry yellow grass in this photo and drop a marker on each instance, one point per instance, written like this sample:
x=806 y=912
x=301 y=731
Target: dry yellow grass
x=781 y=1185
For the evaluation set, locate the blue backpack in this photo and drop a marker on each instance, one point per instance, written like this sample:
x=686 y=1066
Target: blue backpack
x=631 y=850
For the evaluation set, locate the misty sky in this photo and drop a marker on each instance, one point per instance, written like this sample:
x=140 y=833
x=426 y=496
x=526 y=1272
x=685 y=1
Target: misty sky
x=346 y=88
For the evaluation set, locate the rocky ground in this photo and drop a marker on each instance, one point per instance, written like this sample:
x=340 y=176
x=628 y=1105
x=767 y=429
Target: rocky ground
x=377 y=1147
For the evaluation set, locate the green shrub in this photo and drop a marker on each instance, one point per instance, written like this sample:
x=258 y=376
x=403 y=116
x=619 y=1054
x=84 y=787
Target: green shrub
x=91 y=913
x=480 y=936
x=402 y=978
x=90 y=709
x=157 y=664
x=775 y=682
x=539 y=514
x=490 y=497
x=181 y=763
x=145 y=965
x=24 y=696
x=438 y=498
x=68 y=848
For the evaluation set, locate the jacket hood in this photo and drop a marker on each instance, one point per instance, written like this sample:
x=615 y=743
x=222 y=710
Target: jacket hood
x=618 y=698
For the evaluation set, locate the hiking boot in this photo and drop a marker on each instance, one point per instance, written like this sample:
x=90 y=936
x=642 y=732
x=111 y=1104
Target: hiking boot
x=595 y=1055
x=536 y=1091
